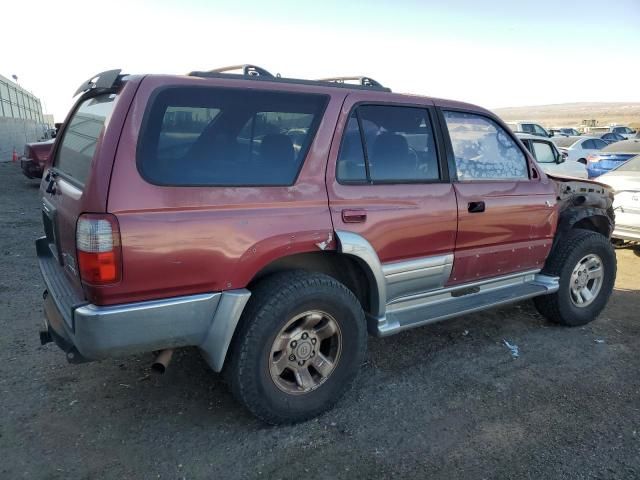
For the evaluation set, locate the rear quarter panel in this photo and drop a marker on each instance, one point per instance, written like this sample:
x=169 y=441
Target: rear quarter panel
x=184 y=240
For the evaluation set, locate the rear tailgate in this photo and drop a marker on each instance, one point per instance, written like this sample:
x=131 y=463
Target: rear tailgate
x=78 y=180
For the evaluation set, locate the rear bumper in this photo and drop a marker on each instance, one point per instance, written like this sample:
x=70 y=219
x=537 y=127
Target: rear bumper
x=88 y=332
x=31 y=168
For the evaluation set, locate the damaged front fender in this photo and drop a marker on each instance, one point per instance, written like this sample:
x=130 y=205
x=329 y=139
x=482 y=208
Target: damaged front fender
x=584 y=204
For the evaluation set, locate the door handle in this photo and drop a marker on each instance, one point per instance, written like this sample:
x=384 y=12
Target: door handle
x=354 y=216
x=476 y=207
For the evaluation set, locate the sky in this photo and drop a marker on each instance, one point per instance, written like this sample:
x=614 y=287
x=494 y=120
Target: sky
x=489 y=52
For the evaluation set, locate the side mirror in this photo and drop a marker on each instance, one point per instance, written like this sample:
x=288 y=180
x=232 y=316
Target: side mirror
x=562 y=157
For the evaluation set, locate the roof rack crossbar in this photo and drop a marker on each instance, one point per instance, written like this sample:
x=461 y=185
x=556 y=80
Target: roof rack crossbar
x=247 y=69
x=252 y=72
x=364 y=81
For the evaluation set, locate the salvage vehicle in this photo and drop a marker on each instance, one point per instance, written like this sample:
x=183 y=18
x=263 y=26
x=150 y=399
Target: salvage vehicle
x=564 y=132
x=550 y=159
x=611 y=157
x=272 y=222
x=579 y=148
x=611 y=137
x=528 y=126
x=35 y=158
x=621 y=130
x=625 y=181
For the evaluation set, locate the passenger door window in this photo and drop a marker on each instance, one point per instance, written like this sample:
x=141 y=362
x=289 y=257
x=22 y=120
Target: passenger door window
x=483 y=150
x=388 y=144
x=588 y=145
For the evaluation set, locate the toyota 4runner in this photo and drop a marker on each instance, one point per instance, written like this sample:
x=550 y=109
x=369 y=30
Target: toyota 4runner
x=273 y=222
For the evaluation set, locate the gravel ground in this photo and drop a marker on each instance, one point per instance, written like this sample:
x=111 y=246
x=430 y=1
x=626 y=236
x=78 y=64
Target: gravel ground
x=443 y=401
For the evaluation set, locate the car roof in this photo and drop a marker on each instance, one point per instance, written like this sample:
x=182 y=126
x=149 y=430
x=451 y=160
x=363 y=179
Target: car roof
x=528 y=136
x=311 y=86
x=623 y=146
x=571 y=140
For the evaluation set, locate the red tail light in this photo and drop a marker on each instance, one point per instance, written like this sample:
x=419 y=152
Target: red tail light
x=593 y=159
x=98 y=249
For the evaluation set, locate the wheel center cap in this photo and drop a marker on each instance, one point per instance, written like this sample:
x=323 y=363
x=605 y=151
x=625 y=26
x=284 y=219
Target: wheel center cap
x=303 y=350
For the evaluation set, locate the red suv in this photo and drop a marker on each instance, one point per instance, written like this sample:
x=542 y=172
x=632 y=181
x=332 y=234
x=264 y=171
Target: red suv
x=273 y=222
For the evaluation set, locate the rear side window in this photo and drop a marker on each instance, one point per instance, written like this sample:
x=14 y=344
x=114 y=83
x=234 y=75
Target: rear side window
x=598 y=144
x=227 y=137
x=388 y=144
x=483 y=150
x=81 y=136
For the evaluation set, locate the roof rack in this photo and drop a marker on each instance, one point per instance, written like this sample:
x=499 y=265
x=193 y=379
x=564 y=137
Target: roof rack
x=253 y=72
x=364 y=81
x=247 y=69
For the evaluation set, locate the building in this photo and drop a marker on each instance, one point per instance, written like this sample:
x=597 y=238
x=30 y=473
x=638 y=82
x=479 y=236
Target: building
x=21 y=119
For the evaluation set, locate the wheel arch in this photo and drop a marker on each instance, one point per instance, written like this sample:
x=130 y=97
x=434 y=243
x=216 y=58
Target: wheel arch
x=594 y=219
x=350 y=269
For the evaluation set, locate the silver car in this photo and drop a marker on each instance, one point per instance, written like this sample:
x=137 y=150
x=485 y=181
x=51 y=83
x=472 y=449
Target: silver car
x=625 y=180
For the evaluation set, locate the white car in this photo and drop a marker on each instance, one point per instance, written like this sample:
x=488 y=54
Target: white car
x=550 y=159
x=579 y=148
x=527 y=126
x=625 y=181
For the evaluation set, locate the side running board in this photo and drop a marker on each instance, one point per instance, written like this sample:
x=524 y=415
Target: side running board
x=421 y=309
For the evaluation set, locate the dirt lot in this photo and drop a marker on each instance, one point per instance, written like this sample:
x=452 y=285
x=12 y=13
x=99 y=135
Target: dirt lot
x=444 y=401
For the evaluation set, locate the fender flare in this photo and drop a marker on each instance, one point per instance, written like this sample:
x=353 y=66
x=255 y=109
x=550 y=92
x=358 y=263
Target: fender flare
x=357 y=246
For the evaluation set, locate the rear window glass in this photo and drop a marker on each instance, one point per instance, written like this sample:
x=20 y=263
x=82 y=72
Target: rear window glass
x=81 y=136
x=227 y=137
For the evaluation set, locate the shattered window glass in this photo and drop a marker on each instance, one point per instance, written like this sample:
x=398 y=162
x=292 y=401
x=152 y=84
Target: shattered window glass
x=483 y=150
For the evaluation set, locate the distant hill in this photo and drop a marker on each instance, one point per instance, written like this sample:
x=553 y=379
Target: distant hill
x=572 y=114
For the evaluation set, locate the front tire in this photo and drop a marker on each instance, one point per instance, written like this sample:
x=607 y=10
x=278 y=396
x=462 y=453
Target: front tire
x=300 y=344
x=585 y=261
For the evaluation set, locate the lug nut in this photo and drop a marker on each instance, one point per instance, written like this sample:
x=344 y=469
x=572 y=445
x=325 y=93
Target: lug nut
x=313 y=354
x=305 y=335
x=292 y=358
x=293 y=344
x=301 y=362
x=313 y=340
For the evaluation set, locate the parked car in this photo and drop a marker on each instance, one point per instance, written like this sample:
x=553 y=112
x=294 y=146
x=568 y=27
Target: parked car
x=564 y=131
x=166 y=226
x=622 y=130
x=579 y=148
x=527 y=126
x=35 y=158
x=625 y=180
x=611 y=157
x=611 y=137
x=549 y=157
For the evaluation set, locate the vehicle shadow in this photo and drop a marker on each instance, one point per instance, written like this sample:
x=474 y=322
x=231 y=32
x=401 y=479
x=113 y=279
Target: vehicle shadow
x=192 y=396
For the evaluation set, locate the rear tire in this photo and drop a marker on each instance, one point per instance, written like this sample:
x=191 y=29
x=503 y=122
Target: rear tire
x=325 y=323
x=585 y=261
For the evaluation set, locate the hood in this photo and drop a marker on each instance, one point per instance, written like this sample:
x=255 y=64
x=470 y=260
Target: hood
x=619 y=181
x=42 y=144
